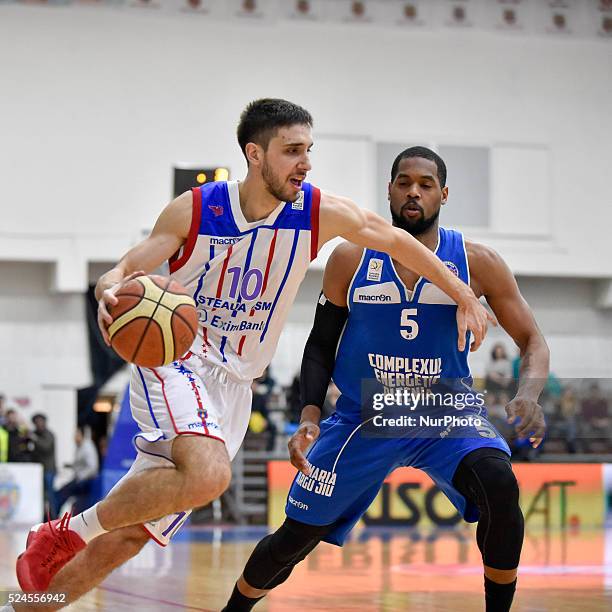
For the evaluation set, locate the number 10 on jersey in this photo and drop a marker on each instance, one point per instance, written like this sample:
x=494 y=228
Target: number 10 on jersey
x=245 y=293
x=409 y=328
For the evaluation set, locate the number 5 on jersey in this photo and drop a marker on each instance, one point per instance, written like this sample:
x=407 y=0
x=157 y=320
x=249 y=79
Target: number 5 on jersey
x=409 y=328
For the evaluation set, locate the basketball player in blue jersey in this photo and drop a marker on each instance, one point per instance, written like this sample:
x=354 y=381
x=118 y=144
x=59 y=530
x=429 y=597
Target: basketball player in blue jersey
x=242 y=248
x=378 y=320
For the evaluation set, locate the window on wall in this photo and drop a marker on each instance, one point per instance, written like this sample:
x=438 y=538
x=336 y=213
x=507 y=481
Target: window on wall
x=468 y=180
x=469 y=186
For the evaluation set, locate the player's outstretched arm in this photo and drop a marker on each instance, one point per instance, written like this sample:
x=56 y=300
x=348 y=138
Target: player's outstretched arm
x=492 y=278
x=168 y=235
x=341 y=217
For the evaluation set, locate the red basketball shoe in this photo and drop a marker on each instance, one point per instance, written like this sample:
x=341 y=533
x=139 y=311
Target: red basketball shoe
x=49 y=547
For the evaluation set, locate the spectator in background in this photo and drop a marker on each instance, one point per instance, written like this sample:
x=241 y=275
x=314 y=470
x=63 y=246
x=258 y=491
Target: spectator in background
x=85 y=468
x=19 y=445
x=44 y=453
x=568 y=412
x=294 y=400
x=262 y=389
x=551 y=396
x=498 y=375
x=595 y=414
x=4 y=445
x=102 y=448
x=4 y=439
x=2 y=410
x=265 y=384
x=496 y=410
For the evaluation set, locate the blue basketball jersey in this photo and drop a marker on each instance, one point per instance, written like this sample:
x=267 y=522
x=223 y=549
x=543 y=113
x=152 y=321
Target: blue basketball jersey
x=395 y=338
x=398 y=336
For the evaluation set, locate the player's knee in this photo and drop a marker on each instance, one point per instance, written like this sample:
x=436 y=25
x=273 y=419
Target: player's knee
x=499 y=485
x=221 y=478
x=205 y=465
x=208 y=483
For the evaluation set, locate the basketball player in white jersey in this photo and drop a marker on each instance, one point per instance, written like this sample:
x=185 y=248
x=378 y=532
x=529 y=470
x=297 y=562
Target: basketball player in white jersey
x=242 y=250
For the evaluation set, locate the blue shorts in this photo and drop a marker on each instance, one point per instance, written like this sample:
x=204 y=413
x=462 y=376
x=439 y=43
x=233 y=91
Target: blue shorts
x=348 y=470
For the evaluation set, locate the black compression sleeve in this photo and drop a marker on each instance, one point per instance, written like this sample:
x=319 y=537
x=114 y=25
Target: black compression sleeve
x=320 y=351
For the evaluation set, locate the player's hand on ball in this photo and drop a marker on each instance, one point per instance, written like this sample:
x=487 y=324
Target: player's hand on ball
x=306 y=434
x=473 y=316
x=109 y=299
x=531 y=422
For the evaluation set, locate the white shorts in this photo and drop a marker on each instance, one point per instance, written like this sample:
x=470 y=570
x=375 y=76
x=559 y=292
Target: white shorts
x=187 y=396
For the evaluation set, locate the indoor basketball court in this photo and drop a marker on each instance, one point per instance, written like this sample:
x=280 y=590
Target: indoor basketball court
x=379 y=570
x=180 y=194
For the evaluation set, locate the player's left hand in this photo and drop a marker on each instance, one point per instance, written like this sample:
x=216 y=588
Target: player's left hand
x=531 y=419
x=473 y=316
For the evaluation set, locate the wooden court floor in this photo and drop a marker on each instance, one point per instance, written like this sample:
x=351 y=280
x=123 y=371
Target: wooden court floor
x=378 y=570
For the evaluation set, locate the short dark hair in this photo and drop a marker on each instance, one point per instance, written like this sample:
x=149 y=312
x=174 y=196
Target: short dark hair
x=39 y=415
x=498 y=345
x=425 y=153
x=261 y=118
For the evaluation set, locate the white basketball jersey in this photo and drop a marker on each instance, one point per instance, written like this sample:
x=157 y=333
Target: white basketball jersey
x=244 y=276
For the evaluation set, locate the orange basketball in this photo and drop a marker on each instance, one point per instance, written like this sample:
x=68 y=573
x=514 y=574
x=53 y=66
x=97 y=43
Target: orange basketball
x=154 y=323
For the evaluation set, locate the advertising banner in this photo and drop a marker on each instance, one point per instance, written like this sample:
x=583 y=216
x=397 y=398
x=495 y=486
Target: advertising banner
x=552 y=495
x=21 y=494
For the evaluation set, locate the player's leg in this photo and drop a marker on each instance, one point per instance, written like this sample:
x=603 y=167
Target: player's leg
x=471 y=465
x=94 y=564
x=346 y=474
x=273 y=560
x=485 y=478
x=170 y=401
x=202 y=473
x=168 y=404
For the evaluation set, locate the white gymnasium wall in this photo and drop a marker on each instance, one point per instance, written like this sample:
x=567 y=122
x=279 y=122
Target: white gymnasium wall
x=97 y=105
x=44 y=355
x=43 y=336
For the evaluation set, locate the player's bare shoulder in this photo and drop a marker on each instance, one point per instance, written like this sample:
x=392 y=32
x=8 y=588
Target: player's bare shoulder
x=331 y=201
x=345 y=257
x=480 y=254
x=487 y=267
x=339 y=271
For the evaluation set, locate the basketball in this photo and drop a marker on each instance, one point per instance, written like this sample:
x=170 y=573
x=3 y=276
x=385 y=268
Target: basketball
x=154 y=322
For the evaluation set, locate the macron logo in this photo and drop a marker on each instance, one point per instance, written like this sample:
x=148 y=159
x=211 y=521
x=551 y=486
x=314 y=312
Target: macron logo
x=372 y=298
x=222 y=241
x=298 y=504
